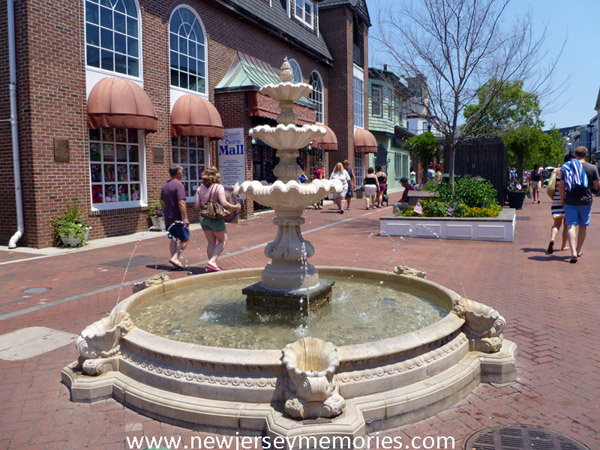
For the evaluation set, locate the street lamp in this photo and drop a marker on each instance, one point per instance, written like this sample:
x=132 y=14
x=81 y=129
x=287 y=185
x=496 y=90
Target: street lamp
x=590 y=127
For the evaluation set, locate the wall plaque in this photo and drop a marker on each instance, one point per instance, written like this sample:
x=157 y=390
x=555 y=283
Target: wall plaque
x=159 y=155
x=61 y=150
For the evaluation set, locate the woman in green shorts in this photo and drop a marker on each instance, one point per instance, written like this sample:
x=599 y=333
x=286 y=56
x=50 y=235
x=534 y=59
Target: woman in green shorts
x=214 y=230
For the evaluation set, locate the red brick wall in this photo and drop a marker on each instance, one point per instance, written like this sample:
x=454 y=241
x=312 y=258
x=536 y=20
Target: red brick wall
x=52 y=104
x=336 y=29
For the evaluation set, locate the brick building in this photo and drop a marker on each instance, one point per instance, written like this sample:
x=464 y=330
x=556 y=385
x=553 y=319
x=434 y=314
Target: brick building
x=109 y=93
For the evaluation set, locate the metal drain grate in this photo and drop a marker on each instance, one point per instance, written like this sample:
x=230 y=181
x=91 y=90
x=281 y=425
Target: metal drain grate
x=524 y=218
x=520 y=437
x=36 y=290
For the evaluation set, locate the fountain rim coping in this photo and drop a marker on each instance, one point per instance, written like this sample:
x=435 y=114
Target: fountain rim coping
x=272 y=357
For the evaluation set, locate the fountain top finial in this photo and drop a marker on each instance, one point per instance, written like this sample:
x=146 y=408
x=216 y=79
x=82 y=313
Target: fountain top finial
x=286 y=71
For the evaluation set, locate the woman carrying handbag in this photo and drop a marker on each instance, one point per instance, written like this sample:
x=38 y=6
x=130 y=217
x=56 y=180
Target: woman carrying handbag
x=212 y=203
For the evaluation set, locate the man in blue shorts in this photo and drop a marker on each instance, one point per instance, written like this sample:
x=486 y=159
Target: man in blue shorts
x=173 y=196
x=578 y=180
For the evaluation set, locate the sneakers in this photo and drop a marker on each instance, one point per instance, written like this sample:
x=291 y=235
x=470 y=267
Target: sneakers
x=340 y=211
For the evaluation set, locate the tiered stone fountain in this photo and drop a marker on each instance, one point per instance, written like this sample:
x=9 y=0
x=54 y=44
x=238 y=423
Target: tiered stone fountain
x=380 y=378
x=289 y=283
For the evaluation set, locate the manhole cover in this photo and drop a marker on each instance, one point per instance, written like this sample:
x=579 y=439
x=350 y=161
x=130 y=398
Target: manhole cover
x=37 y=290
x=524 y=218
x=520 y=437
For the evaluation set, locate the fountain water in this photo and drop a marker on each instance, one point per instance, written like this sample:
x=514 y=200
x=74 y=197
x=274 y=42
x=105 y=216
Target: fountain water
x=371 y=376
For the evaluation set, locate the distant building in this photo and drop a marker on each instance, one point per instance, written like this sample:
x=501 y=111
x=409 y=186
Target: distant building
x=388 y=108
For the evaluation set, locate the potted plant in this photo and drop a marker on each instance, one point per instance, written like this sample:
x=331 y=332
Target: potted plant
x=157 y=216
x=70 y=230
x=516 y=195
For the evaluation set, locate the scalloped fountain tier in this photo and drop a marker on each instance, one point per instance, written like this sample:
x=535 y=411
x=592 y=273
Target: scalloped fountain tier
x=377 y=384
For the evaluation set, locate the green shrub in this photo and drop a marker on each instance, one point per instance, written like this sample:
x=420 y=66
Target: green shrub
x=472 y=192
x=70 y=224
x=439 y=208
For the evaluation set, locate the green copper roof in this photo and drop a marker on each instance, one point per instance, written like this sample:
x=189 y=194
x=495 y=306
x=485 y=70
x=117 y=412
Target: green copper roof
x=247 y=73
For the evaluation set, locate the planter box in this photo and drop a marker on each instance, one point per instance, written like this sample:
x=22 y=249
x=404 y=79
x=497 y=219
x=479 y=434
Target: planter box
x=500 y=228
x=158 y=223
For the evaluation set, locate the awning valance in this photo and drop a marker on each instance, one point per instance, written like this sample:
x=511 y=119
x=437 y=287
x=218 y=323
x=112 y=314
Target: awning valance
x=327 y=143
x=195 y=116
x=364 y=141
x=119 y=103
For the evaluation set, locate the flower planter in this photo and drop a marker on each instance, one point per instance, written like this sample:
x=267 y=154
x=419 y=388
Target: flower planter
x=158 y=223
x=516 y=199
x=72 y=240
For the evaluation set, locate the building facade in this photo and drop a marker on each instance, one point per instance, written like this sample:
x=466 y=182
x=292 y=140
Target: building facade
x=388 y=107
x=109 y=93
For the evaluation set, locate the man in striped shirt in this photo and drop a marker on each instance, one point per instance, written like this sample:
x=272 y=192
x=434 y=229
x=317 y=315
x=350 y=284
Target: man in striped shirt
x=578 y=179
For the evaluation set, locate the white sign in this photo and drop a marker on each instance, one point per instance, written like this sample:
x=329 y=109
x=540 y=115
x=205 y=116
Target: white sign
x=231 y=156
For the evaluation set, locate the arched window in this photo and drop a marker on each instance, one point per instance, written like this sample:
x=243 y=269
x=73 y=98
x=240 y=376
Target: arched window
x=316 y=96
x=187 y=50
x=112 y=36
x=296 y=70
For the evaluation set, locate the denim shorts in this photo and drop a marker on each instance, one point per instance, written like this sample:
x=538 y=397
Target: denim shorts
x=178 y=231
x=212 y=225
x=578 y=215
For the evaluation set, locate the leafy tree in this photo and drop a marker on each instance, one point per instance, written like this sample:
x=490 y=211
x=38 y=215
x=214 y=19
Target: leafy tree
x=520 y=143
x=549 y=150
x=512 y=108
x=452 y=46
x=424 y=146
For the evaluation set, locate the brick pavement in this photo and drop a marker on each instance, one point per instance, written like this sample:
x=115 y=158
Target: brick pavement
x=549 y=305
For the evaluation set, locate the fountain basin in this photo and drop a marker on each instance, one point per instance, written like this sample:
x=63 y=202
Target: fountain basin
x=385 y=383
x=290 y=196
x=287 y=137
x=287 y=91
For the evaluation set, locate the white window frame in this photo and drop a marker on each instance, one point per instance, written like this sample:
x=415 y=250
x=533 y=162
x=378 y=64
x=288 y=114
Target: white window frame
x=95 y=74
x=318 y=96
x=379 y=89
x=186 y=165
x=294 y=64
x=143 y=200
x=358 y=88
x=178 y=91
x=302 y=4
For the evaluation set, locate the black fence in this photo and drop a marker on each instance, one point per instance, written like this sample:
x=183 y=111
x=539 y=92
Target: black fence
x=484 y=157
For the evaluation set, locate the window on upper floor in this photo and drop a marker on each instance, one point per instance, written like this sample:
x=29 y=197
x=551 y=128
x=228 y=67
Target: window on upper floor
x=305 y=12
x=187 y=53
x=112 y=36
x=316 y=96
x=390 y=104
x=296 y=71
x=358 y=97
x=376 y=104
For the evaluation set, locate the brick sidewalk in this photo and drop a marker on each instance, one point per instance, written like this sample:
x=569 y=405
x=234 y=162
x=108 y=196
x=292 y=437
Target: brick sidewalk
x=549 y=304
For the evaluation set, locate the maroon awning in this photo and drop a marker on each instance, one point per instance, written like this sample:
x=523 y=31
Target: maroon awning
x=364 y=141
x=119 y=103
x=327 y=143
x=195 y=116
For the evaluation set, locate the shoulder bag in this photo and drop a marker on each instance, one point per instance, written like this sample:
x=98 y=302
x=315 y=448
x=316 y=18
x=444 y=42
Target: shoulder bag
x=213 y=210
x=551 y=188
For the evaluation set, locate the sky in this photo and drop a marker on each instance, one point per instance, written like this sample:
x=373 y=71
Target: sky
x=575 y=22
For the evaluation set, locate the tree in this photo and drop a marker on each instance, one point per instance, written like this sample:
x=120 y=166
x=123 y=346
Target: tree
x=513 y=115
x=549 y=150
x=457 y=45
x=510 y=109
x=424 y=146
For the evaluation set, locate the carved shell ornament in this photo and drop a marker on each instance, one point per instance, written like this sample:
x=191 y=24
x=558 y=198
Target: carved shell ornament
x=286 y=74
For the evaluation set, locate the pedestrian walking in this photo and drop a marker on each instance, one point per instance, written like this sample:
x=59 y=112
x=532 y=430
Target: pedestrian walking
x=557 y=210
x=535 y=180
x=339 y=173
x=214 y=229
x=351 y=183
x=173 y=196
x=318 y=174
x=382 y=179
x=578 y=180
x=371 y=187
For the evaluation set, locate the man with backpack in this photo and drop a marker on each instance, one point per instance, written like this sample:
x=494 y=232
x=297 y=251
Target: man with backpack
x=578 y=180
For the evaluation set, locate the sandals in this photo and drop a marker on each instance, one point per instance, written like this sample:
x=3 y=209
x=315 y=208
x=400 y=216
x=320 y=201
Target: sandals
x=211 y=268
x=178 y=266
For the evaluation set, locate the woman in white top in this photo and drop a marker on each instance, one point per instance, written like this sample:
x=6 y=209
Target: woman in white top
x=340 y=174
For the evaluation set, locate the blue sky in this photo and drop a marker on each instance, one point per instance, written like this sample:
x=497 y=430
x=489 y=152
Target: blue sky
x=577 y=22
